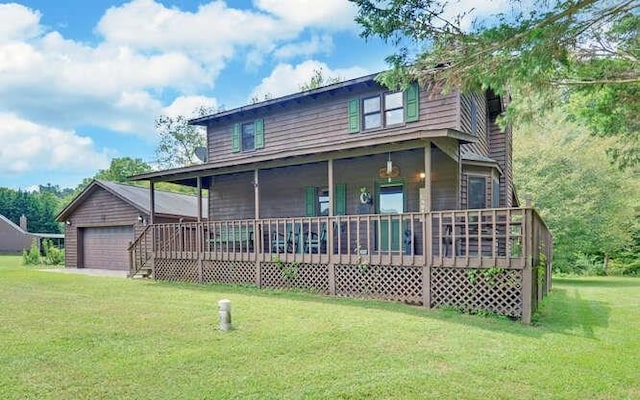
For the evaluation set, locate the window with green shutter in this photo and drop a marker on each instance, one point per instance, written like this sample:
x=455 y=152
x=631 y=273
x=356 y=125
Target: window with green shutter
x=383 y=110
x=247 y=136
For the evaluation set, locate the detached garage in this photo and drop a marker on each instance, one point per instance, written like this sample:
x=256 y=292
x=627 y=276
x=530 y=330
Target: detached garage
x=105 y=217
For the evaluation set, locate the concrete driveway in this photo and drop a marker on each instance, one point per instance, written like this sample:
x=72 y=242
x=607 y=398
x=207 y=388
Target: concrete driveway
x=89 y=271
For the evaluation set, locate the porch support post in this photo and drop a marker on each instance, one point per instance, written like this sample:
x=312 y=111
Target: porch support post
x=459 y=186
x=257 y=231
x=330 y=230
x=527 y=271
x=199 y=183
x=152 y=202
x=427 y=176
x=428 y=242
x=256 y=194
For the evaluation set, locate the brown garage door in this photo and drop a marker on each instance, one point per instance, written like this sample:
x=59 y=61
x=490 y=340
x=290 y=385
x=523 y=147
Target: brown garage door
x=106 y=247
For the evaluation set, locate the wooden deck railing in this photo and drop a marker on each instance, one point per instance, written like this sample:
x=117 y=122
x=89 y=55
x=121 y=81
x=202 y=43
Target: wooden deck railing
x=475 y=238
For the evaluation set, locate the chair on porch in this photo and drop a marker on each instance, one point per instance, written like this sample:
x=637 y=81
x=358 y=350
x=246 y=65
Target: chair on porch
x=315 y=242
x=286 y=242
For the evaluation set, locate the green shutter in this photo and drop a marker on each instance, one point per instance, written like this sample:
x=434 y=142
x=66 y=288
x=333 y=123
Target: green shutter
x=354 y=115
x=259 y=129
x=310 y=196
x=412 y=101
x=340 y=201
x=235 y=138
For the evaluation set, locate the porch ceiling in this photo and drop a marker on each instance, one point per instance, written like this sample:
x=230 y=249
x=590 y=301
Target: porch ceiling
x=371 y=145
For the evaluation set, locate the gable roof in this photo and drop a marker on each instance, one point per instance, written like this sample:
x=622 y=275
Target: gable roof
x=166 y=203
x=295 y=97
x=12 y=224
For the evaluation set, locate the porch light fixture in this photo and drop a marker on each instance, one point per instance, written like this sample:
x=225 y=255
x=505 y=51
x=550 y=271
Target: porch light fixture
x=67 y=222
x=140 y=219
x=422 y=175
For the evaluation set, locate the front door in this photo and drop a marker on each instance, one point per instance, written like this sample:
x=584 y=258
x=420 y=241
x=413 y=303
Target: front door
x=391 y=202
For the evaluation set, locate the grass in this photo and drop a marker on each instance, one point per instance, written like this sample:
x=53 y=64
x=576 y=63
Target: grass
x=66 y=336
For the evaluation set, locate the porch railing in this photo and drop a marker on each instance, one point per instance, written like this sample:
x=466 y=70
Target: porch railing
x=490 y=237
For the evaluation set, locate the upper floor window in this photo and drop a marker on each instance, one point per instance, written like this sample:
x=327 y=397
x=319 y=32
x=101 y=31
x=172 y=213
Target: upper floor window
x=385 y=109
x=248 y=136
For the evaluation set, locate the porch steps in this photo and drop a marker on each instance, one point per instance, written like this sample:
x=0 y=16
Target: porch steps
x=144 y=273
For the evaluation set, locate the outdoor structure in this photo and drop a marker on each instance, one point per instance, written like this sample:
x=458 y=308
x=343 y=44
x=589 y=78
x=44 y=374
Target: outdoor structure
x=355 y=190
x=15 y=239
x=103 y=220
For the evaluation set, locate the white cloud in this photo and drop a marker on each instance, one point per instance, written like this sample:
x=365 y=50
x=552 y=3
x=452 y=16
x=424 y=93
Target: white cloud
x=330 y=14
x=316 y=45
x=286 y=78
x=18 y=22
x=147 y=50
x=27 y=146
x=187 y=105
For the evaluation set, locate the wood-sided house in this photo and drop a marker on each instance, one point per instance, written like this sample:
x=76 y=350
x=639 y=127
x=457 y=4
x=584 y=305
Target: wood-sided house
x=355 y=190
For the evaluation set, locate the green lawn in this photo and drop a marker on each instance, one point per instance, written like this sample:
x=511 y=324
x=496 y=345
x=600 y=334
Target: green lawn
x=77 y=337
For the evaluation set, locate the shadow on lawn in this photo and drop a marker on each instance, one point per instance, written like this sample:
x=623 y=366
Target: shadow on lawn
x=563 y=311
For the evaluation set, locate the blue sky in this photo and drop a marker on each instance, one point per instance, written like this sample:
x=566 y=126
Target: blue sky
x=82 y=82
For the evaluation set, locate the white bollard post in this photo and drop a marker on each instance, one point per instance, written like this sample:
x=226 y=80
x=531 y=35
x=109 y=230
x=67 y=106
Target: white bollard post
x=225 y=314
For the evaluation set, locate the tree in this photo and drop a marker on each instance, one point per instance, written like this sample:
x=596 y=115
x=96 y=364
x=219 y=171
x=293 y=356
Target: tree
x=122 y=168
x=178 y=139
x=580 y=52
x=589 y=206
x=319 y=80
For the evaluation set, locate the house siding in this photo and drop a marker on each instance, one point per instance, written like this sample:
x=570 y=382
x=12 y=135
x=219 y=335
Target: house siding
x=13 y=240
x=467 y=104
x=323 y=120
x=501 y=151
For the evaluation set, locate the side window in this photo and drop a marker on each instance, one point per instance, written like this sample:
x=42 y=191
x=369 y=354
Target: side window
x=495 y=198
x=476 y=192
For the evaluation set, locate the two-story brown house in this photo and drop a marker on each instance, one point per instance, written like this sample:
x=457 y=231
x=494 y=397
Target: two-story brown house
x=356 y=190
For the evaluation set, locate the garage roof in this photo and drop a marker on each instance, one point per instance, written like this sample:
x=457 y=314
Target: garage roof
x=166 y=203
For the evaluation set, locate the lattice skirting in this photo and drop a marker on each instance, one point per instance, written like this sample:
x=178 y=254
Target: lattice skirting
x=380 y=281
x=166 y=269
x=302 y=276
x=468 y=289
x=476 y=290
x=229 y=272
